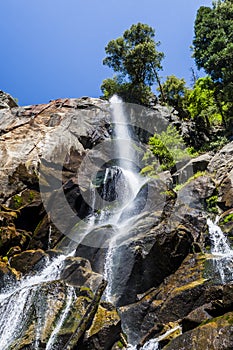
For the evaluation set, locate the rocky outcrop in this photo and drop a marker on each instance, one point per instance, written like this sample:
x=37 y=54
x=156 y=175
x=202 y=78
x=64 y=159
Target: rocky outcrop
x=215 y=334
x=52 y=156
x=221 y=166
x=194 y=166
x=7 y=101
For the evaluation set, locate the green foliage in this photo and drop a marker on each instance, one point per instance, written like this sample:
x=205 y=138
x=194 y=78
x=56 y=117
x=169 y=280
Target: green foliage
x=215 y=144
x=165 y=150
x=17 y=201
x=175 y=93
x=120 y=345
x=213 y=41
x=211 y=203
x=135 y=58
x=110 y=87
x=228 y=218
x=192 y=152
x=160 y=151
x=213 y=48
x=129 y=92
x=201 y=101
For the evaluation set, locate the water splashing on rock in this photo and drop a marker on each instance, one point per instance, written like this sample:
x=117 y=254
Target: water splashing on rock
x=221 y=251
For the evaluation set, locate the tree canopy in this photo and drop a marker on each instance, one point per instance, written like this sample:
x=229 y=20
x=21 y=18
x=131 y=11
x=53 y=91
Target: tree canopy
x=135 y=59
x=213 y=46
x=175 y=94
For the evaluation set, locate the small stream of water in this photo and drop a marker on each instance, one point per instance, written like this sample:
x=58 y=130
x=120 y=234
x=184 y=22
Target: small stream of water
x=153 y=344
x=221 y=251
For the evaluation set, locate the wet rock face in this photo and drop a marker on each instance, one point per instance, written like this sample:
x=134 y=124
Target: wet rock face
x=144 y=263
x=162 y=275
x=64 y=313
x=8 y=275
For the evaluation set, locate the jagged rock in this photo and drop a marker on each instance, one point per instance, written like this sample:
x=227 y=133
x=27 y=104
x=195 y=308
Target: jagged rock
x=58 y=149
x=226 y=224
x=61 y=315
x=222 y=162
x=215 y=334
x=77 y=272
x=29 y=261
x=46 y=234
x=225 y=191
x=221 y=166
x=145 y=262
x=181 y=296
x=30 y=209
x=195 y=133
x=196 y=317
x=52 y=132
x=7 y=101
x=11 y=237
x=192 y=167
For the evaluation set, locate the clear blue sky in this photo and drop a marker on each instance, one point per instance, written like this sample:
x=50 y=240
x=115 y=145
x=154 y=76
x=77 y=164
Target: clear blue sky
x=54 y=48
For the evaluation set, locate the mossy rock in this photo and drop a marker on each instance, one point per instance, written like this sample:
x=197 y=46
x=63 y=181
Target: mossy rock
x=105 y=317
x=214 y=334
x=105 y=329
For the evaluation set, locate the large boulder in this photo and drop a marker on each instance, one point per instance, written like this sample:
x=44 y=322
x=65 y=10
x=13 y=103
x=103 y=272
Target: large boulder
x=198 y=164
x=215 y=334
x=189 y=297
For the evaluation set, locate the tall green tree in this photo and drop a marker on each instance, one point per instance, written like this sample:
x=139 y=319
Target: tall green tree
x=202 y=103
x=135 y=59
x=175 y=94
x=213 y=47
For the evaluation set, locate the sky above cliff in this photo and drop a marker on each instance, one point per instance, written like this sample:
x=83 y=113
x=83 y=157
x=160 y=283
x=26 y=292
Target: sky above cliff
x=54 y=48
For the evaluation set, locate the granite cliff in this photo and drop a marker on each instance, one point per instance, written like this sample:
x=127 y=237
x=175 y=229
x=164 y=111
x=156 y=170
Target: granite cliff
x=166 y=276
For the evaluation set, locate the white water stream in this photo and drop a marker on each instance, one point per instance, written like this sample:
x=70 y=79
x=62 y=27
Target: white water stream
x=133 y=182
x=153 y=344
x=16 y=301
x=221 y=251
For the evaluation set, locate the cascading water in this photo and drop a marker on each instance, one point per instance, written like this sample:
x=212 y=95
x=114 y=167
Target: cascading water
x=125 y=157
x=221 y=251
x=17 y=300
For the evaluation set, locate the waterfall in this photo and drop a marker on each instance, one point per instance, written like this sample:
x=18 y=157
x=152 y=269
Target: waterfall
x=19 y=301
x=16 y=301
x=124 y=150
x=221 y=251
x=126 y=190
